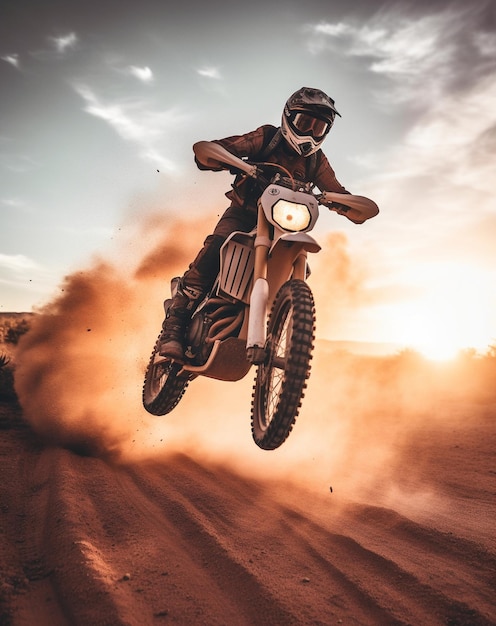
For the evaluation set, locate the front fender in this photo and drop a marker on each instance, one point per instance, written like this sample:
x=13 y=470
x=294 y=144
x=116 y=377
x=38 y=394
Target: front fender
x=306 y=241
x=282 y=257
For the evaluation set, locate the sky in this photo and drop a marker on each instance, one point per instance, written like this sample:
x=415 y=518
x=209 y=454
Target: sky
x=100 y=105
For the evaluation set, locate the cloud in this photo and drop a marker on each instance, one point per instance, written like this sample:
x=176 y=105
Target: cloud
x=13 y=59
x=144 y=74
x=210 y=72
x=486 y=44
x=64 y=42
x=332 y=30
x=435 y=191
x=435 y=186
x=17 y=163
x=421 y=56
x=13 y=203
x=453 y=145
x=157 y=158
x=211 y=80
x=17 y=263
x=134 y=121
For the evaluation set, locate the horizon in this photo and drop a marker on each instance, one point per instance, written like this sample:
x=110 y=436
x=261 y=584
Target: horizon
x=350 y=346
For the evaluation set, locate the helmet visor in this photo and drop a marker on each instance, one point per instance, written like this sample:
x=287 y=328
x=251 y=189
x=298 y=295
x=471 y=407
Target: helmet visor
x=305 y=124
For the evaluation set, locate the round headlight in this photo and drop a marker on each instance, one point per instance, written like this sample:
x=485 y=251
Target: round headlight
x=291 y=216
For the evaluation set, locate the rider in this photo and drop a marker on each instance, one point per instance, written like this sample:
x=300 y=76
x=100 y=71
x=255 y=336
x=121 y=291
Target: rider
x=307 y=118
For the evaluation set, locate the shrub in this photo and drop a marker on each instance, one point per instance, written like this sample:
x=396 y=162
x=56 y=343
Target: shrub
x=7 y=392
x=15 y=331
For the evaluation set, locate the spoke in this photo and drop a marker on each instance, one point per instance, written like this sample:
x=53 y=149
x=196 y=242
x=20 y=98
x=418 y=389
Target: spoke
x=277 y=366
x=273 y=391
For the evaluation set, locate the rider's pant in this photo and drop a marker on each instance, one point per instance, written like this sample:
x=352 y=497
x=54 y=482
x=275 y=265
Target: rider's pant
x=204 y=269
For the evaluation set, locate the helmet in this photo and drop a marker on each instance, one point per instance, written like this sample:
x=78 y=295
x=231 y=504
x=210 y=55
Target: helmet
x=307 y=118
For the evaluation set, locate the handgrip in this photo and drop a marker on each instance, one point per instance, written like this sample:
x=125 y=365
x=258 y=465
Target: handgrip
x=365 y=205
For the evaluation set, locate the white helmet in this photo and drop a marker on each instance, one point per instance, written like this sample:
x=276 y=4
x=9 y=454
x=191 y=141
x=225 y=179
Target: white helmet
x=307 y=118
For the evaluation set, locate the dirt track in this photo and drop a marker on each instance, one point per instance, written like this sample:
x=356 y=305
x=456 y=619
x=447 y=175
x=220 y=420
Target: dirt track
x=179 y=542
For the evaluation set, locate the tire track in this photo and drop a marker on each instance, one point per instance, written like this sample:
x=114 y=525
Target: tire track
x=444 y=555
x=287 y=557
x=26 y=567
x=63 y=540
x=221 y=562
x=402 y=587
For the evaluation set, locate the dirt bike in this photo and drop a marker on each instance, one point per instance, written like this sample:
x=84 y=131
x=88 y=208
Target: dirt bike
x=260 y=272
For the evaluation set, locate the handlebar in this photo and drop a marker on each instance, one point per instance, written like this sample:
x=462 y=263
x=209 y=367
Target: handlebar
x=212 y=154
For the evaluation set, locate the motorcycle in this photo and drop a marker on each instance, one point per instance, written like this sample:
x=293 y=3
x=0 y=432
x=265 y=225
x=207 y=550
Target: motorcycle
x=260 y=311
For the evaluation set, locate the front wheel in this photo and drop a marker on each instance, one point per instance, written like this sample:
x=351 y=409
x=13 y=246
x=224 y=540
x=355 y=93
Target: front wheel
x=164 y=386
x=281 y=379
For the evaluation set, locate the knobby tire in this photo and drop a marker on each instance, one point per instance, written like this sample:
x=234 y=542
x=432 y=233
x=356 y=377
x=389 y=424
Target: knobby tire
x=281 y=380
x=163 y=387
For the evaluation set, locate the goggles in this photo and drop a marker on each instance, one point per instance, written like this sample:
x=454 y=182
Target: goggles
x=305 y=124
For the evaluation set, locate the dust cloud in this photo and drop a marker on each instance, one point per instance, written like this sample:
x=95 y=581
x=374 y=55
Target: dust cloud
x=80 y=371
x=80 y=367
x=338 y=282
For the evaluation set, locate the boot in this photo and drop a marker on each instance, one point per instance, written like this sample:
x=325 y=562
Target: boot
x=176 y=321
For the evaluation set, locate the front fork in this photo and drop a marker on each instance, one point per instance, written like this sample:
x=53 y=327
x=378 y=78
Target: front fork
x=284 y=262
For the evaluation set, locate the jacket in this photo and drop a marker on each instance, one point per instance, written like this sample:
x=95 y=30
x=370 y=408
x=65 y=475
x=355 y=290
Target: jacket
x=253 y=145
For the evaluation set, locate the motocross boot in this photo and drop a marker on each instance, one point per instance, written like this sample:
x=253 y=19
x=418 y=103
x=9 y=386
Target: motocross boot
x=176 y=321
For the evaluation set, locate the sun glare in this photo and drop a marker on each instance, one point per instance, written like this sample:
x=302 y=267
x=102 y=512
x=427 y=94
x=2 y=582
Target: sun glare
x=450 y=316
x=433 y=336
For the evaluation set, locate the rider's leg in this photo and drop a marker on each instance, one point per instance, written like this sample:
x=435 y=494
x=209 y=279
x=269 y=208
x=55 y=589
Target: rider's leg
x=198 y=280
x=174 y=325
x=193 y=287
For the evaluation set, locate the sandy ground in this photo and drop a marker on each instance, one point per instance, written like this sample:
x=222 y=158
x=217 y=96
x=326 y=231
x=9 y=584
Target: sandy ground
x=185 y=541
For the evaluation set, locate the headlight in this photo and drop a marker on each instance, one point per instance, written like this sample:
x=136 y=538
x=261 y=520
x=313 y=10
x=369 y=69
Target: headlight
x=291 y=216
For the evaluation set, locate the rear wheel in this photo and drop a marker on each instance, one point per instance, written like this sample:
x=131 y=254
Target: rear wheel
x=281 y=379
x=164 y=386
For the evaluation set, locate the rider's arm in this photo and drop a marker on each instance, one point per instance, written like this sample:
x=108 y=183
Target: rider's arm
x=357 y=214
x=203 y=157
x=326 y=180
x=248 y=145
